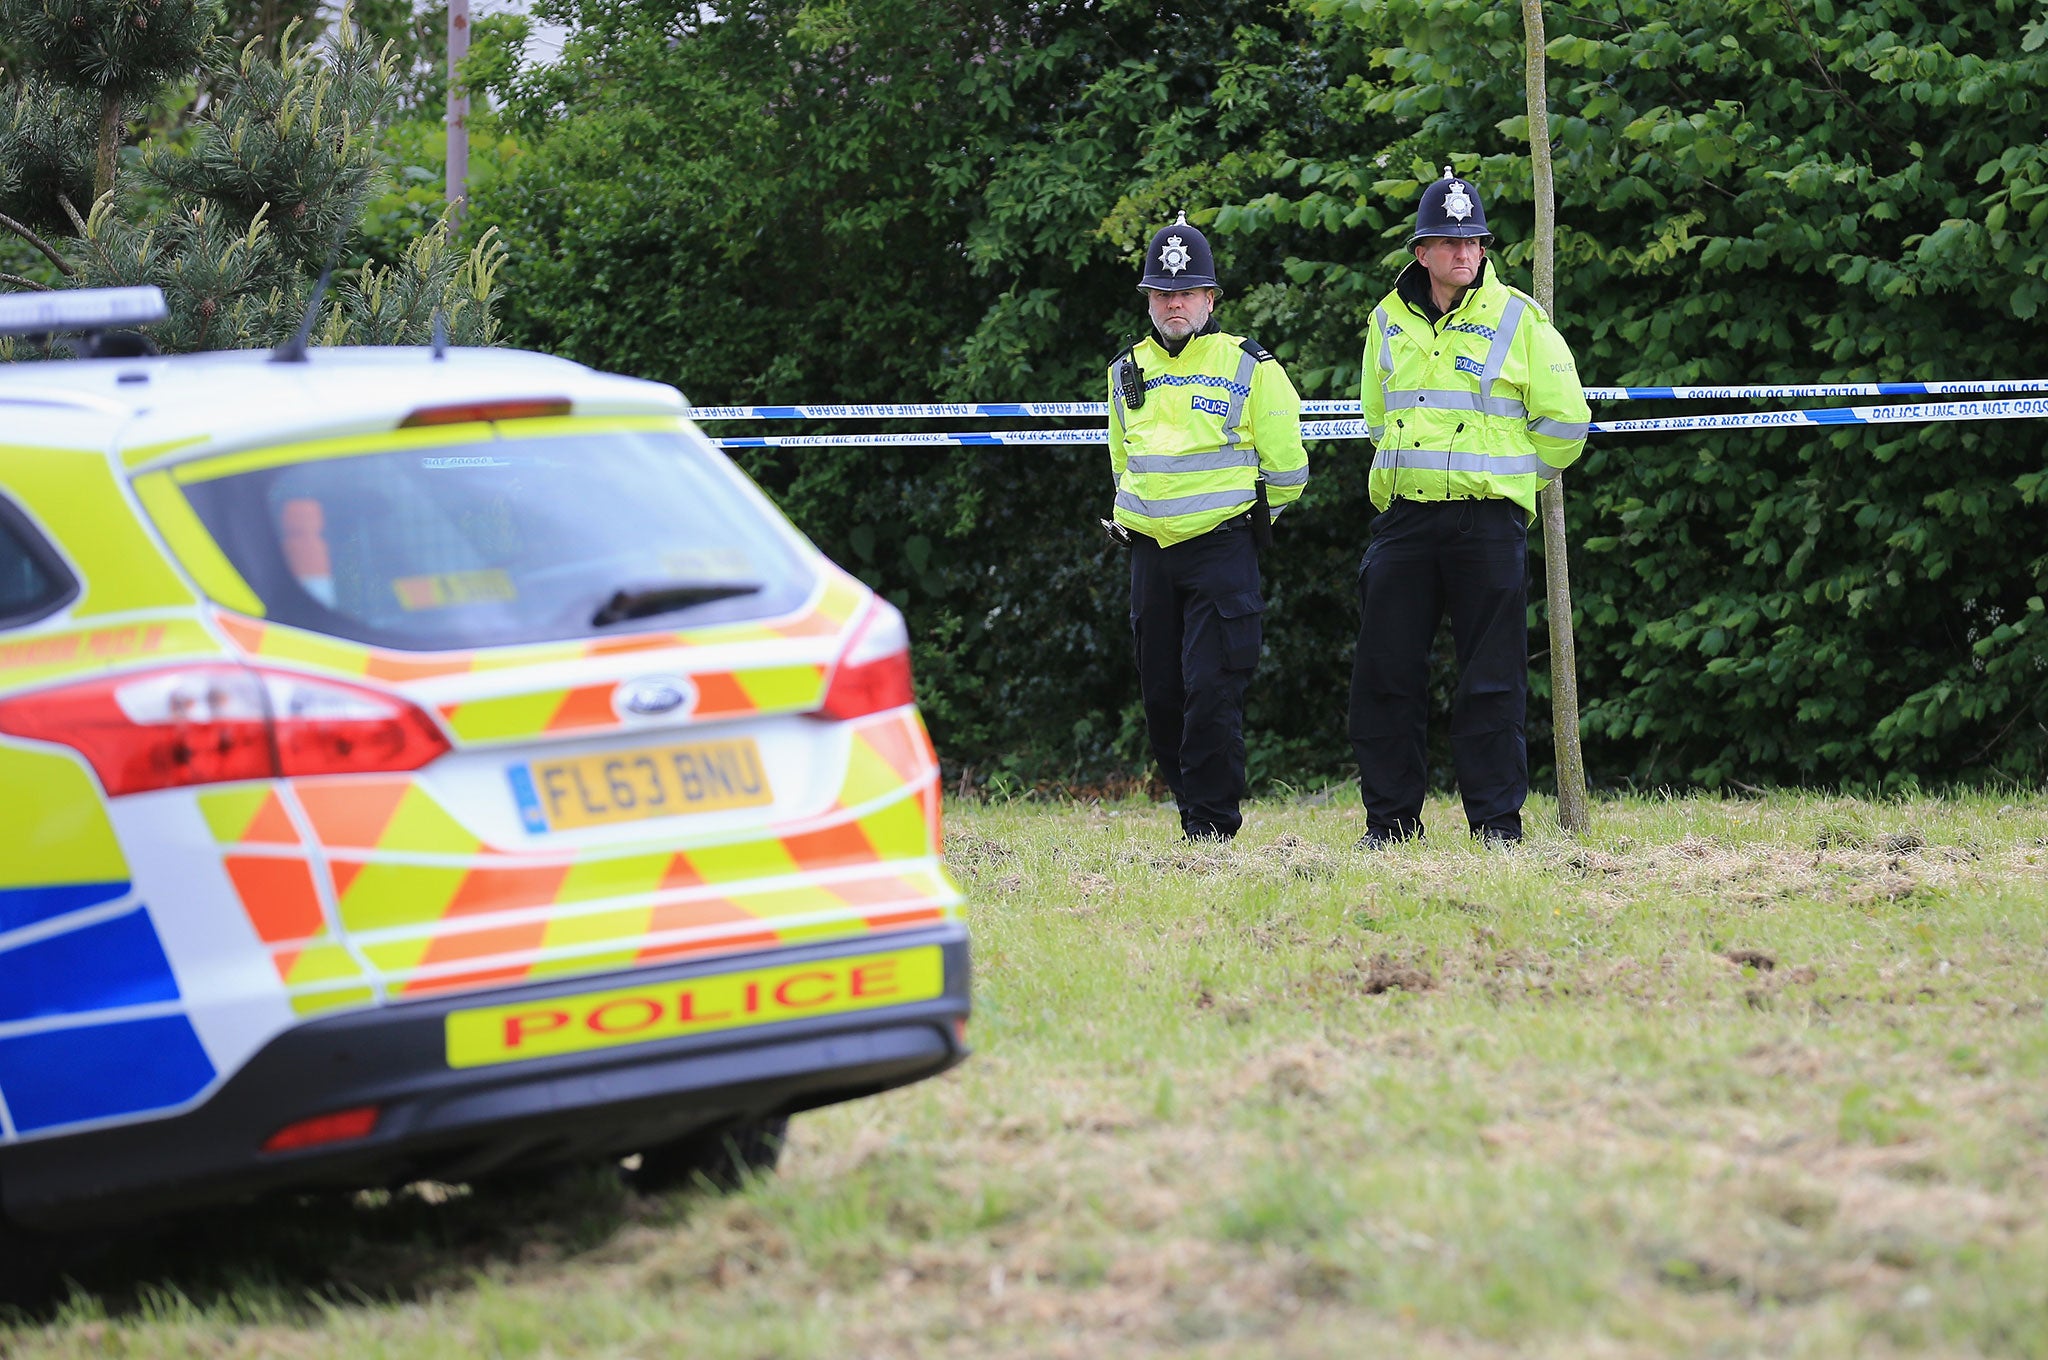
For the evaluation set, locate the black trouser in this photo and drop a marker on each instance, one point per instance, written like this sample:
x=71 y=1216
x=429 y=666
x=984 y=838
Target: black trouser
x=1468 y=558
x=1195 y=615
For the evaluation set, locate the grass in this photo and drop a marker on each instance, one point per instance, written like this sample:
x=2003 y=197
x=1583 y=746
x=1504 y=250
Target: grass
x=1724 y=1078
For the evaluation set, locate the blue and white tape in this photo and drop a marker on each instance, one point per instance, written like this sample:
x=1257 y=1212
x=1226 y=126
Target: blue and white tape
x=1905 y=413
x=1048 y=409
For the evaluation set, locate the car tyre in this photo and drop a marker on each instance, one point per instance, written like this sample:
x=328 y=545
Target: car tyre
x=723 y=1157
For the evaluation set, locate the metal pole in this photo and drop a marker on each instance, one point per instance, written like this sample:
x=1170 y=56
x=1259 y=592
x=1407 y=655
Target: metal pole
x=458 y=109
x=1573 y=813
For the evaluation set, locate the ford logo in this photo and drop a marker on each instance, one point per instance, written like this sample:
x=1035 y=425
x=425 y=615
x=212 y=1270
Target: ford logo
x=651 y=697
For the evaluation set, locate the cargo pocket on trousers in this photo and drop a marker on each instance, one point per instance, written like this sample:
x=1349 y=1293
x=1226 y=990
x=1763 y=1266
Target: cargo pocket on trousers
x=1241 y=616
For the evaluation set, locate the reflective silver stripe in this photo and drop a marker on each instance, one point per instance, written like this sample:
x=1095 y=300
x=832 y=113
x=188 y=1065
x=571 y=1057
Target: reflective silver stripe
x=1559 y=429
x=1233 y=420
x=1503 y=340
x=1441 y=460
x=1375 y=432
x=1183 y=505
x=1379 y=314
x=1225 y=457
x=1297 y=477
x=1444 y=399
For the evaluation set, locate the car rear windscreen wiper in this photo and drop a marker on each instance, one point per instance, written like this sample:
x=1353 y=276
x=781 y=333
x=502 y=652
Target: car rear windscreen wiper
x=638 y=602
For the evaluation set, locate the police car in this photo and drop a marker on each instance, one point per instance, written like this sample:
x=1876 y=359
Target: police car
x=430 y=764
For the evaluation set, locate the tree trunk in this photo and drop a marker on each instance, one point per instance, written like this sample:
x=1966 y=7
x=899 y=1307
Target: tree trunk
x=458 y=110
x=110 y=145
x=1572 y=812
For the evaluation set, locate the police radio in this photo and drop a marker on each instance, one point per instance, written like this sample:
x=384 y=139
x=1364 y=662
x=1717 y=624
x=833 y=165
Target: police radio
x=1130 y=381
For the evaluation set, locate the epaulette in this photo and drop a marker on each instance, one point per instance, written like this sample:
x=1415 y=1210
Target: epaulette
x=1256 y=350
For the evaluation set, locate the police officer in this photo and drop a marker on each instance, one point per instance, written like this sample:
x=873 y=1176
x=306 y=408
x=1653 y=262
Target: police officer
x=1473 y=402
x=1205 y=442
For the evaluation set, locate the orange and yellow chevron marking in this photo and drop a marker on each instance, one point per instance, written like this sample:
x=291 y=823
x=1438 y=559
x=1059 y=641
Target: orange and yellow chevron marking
x=313 y=1003
x=742 y=861
x=278 y=643
x=351 y=812
x=886 y=754
x=303 y=966
x=488 y=890
x=517 y=717
x=870 y=892
x=381 y=814
x=840 y=600
x=251 y=815
x=830 y=846
x=899 y=830
x=724 y=944
x=837 y=603
x=491 y=943
x=380 y=896
x=278 y=896
x=563 y=945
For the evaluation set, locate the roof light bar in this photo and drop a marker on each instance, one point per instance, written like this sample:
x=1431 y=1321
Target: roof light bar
x=75 y=311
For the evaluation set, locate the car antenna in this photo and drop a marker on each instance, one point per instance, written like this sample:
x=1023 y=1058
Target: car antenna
x=293 y=351
x=440 y=334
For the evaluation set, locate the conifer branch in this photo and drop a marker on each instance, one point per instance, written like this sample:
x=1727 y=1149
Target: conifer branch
x=26 y=283
x=39 y=243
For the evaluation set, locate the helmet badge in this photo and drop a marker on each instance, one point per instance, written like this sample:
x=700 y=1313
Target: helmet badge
x=1457 y=203
x=1174 y=256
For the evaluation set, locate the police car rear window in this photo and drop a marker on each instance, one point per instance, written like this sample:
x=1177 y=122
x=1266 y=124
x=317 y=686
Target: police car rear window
x=504 y=541
x=33 y=579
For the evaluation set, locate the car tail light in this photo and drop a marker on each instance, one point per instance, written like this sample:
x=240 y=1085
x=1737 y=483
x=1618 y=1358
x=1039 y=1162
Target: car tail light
x=464 y=412
x=208 y=724
x=874 y=672
x=343 y=1126
x=324 y=727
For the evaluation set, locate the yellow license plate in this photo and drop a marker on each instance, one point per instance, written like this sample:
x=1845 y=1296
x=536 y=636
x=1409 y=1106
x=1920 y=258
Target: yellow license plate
x=700 y=1005
x=629 y=786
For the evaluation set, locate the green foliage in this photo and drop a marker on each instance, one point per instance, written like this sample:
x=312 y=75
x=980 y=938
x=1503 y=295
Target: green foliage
x=297 y=135
x=224 y=281
x=236 y=214
x=395 y=304
x=418 y=36
x=118 y=48
x=46 y=152
x=412 y=201
x=1749 y=195
x=875 y=200
x=887 y=200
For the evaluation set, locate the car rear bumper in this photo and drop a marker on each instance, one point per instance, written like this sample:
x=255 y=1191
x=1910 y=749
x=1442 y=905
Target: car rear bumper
x=439 y=1122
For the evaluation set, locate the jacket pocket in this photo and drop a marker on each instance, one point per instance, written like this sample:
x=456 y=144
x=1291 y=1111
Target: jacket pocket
x=1241 y=617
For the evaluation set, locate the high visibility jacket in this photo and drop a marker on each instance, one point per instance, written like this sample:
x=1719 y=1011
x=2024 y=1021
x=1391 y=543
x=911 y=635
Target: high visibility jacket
x=1485 y=402
x=1215 y=417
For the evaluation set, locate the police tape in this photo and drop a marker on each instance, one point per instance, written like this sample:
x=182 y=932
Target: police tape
x=1904 y=413
x=1048 y=409
x=1915 y=413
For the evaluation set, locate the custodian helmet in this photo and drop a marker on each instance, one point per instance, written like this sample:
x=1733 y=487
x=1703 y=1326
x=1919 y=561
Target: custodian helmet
x=1177 y=259
x=1450 y=207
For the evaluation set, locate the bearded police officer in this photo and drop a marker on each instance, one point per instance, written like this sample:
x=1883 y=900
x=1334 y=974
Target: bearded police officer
x=1205 y=441
x=1473 y=402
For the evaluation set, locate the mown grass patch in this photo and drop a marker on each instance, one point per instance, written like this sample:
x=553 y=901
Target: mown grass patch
x=1765 y=1077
